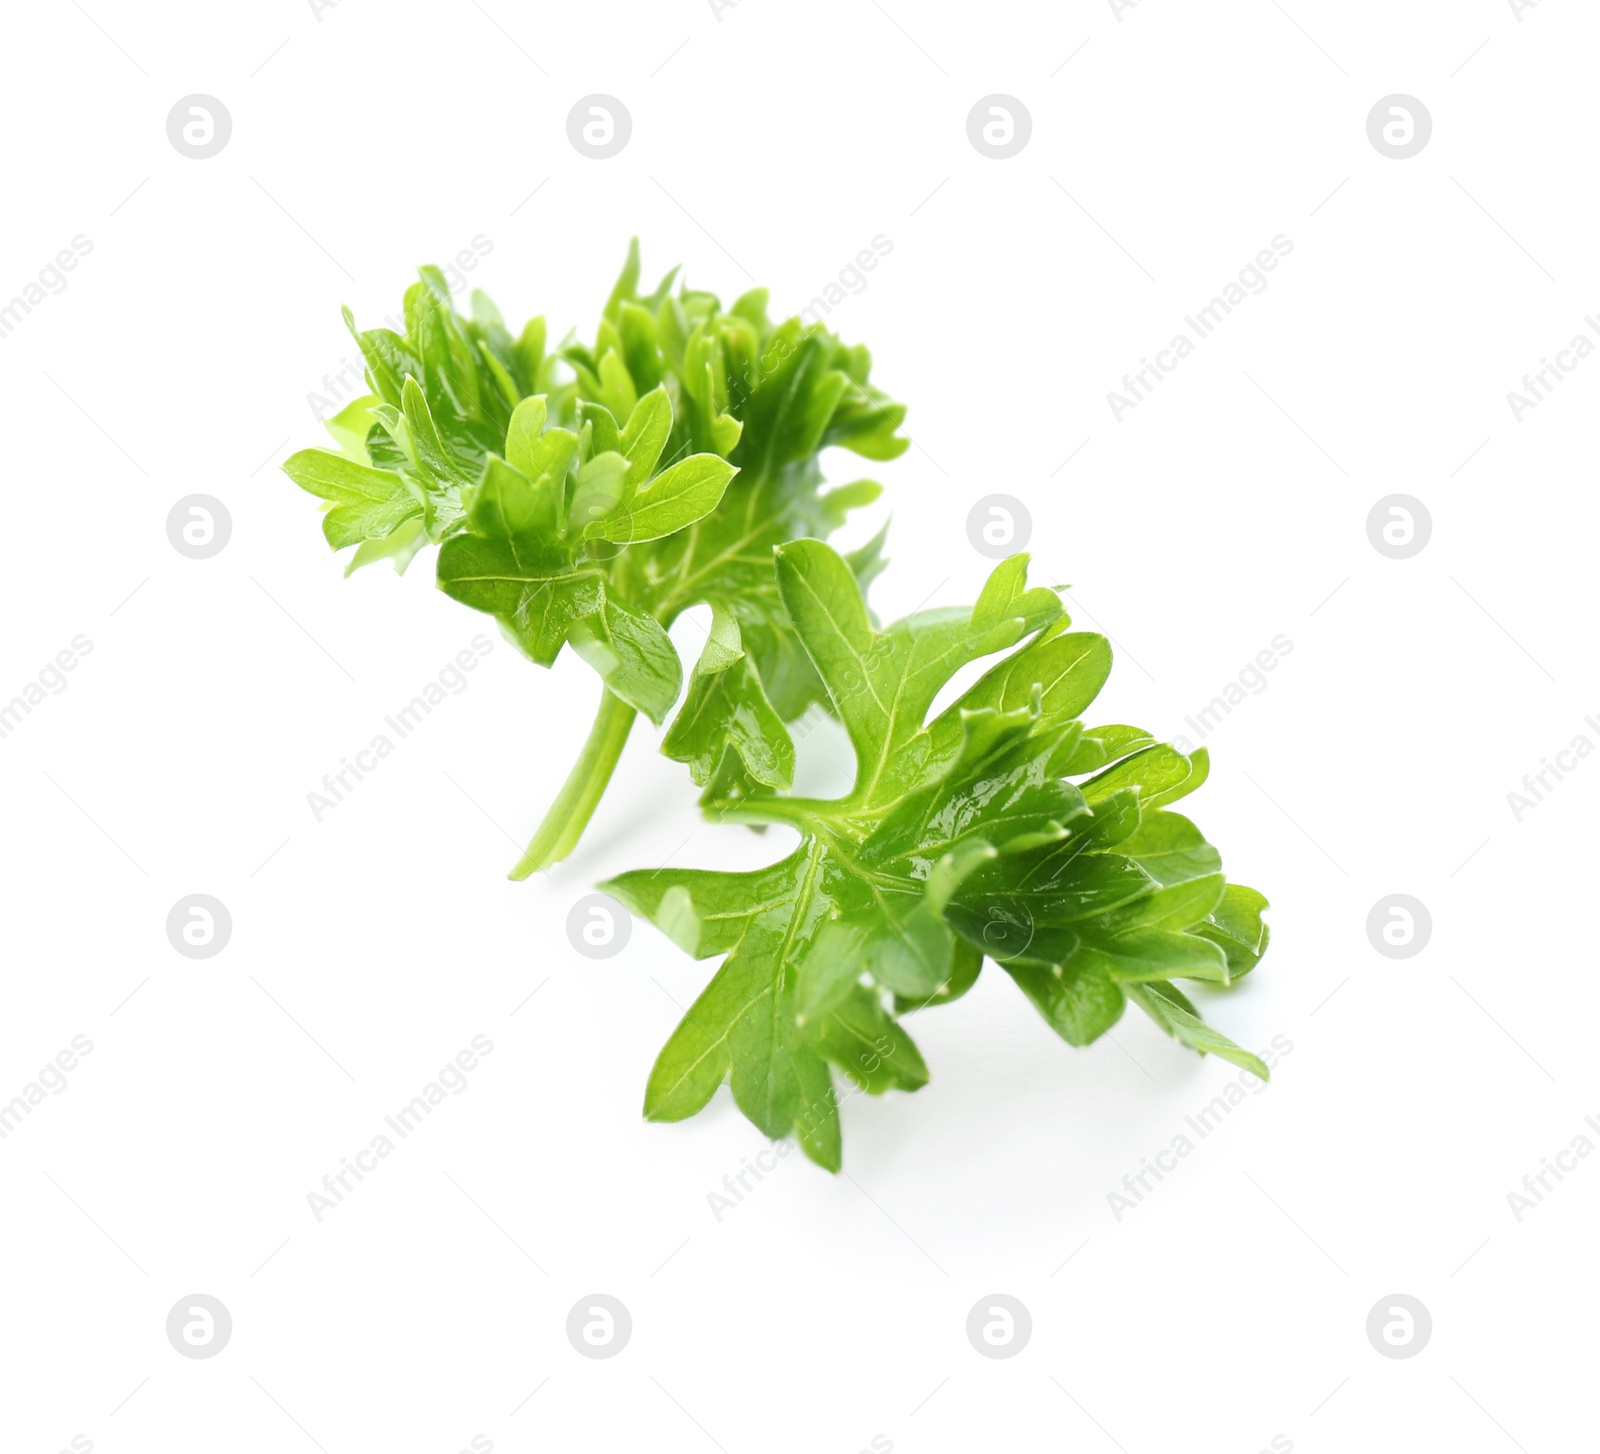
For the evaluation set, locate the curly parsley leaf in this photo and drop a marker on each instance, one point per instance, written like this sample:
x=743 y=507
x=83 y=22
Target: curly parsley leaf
x=963 y=837
x=587 y=495
x=528 y=552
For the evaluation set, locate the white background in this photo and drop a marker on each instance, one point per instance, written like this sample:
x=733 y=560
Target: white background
x=1169 y=145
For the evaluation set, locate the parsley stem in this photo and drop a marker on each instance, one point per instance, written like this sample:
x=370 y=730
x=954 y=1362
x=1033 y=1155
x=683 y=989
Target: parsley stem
x=580 y=795
x=801 y=813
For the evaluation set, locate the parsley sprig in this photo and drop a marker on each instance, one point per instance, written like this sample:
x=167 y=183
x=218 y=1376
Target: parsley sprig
x=1001 y=827
x=586 y=496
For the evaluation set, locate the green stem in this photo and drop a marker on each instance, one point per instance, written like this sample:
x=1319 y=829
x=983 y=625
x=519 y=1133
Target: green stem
x=580 y=795
x=802 y=813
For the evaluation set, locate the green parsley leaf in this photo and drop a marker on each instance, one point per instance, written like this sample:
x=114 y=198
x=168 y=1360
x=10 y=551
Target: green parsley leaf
x=587 y=496
x=962 y=838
